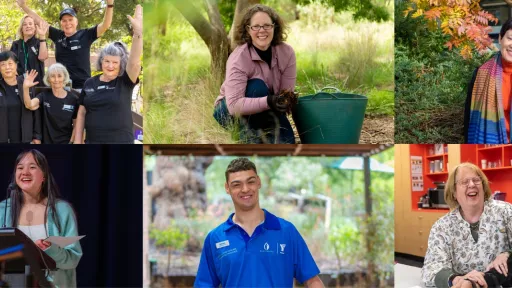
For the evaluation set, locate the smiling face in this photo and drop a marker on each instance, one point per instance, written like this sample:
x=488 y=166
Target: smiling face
x=243 y=187
x=8 y=68
x=472 y=195
x=29 y=176
x=262 y=38
x=68 y=24
x=110 y=65
x=56 y=80
x=28 y=27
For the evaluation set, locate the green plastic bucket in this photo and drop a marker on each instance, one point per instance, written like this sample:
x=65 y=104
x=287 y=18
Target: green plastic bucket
x=330 y=118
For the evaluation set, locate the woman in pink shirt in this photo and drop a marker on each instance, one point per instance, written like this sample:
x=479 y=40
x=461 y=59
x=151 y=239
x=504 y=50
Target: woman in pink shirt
x=260 y=67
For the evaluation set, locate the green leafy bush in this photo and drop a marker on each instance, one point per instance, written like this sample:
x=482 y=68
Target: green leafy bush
x=430 y=83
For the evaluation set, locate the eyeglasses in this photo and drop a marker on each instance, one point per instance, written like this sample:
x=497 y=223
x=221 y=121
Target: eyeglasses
x=465 y=182
x=258 y=27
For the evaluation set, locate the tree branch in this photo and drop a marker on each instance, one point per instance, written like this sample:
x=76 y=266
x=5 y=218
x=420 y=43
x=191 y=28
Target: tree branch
x=200 y=24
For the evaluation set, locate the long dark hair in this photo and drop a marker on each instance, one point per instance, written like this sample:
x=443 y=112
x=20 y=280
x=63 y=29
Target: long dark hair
x=49 y=190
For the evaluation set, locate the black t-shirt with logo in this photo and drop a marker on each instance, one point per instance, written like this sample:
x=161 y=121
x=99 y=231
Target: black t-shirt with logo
x=109 y=117
x=75 y=52
x=57 y=115
x=13 y=103
x=28 y=55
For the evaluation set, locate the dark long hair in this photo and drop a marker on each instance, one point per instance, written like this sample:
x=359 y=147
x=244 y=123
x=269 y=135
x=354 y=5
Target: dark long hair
x=49 y=190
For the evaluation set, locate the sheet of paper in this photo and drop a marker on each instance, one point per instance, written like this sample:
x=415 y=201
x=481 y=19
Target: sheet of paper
x=63 y=241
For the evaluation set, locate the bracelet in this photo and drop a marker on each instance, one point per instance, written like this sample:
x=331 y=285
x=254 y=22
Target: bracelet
x=110 y=6
x=138 y=36
x=42 y=40
x=451 y=278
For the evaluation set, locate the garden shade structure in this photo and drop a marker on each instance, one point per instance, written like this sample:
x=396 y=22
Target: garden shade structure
x=357 y=163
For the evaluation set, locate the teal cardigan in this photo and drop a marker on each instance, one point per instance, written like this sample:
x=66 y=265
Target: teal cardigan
x=66 y=258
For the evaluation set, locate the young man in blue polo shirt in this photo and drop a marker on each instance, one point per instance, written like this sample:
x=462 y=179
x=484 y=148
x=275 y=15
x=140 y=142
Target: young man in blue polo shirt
x=253 y=248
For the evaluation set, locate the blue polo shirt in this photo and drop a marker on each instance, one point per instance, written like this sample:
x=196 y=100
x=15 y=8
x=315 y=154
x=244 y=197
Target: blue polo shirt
x=271 y=257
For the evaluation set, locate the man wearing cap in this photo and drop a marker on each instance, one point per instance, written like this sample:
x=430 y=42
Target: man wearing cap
x=253 y=248
x=72 y=46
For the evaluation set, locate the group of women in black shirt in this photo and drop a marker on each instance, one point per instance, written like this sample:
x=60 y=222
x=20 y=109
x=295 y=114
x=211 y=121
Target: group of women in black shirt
x=35 y=107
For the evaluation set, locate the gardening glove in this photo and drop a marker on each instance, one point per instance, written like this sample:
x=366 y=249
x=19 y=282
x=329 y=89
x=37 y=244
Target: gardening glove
x=274 y=104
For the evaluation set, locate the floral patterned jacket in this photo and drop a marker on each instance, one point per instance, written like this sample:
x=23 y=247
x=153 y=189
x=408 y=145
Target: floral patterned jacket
x=450 y=244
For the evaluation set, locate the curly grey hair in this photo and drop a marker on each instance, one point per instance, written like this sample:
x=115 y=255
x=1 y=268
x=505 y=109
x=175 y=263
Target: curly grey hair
x=114 y=49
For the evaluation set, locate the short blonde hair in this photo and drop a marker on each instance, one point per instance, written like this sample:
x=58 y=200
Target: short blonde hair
x=56 y=68
x=451 y=189
x=19 y=32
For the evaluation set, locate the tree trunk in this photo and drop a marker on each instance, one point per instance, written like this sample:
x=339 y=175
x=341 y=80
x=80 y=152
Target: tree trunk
x=241 y=5
x=212 y=31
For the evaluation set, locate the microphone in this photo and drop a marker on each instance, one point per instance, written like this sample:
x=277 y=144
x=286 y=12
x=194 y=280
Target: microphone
x=9 y=189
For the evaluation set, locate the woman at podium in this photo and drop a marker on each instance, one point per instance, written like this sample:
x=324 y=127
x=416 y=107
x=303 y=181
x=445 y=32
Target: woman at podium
x=33 y=207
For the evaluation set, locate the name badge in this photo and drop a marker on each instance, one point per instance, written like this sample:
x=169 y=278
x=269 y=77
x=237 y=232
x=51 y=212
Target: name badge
x=76 y=47
x=34 y=50
x=222 y=244
x=101 y=87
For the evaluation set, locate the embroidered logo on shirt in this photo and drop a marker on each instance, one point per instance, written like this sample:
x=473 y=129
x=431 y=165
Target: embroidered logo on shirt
x=105 y=87
x=1 y=94
x=226 y=253
x=46 y=104
x=222 y=244
x=266 y=246
x=16 y=90
x=69 y=108
x=76 y=47
x=282 y=248
x=89 y=90
x=34 y=49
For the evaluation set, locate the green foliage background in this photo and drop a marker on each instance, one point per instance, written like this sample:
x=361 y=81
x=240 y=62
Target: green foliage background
x=430 y=83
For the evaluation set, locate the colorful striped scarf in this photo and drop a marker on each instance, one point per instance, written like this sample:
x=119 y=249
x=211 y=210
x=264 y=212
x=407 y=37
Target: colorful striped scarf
x=487 y=117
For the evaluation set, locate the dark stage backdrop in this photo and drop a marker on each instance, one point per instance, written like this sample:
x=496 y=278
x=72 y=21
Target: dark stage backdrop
x=104 y=185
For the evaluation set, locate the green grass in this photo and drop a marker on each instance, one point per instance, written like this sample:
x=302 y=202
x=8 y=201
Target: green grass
x=179 y=103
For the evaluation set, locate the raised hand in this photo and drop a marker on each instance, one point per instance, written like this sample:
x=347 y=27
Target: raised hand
x=21 y=2
x=29 y=79
x=136 y=20
x=42 y=28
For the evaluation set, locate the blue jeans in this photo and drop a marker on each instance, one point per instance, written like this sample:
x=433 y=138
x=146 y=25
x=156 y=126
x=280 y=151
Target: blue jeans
x=261 y=127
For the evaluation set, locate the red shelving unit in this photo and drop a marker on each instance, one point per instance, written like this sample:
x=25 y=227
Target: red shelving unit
x=498 y=167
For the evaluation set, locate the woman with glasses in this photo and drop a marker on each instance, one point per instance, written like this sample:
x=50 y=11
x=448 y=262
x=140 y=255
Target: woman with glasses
x=469 y=246
x=259 y=69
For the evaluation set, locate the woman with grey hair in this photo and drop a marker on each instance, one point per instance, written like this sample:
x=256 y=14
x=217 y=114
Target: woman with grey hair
x=105 y=102
x=58 y=106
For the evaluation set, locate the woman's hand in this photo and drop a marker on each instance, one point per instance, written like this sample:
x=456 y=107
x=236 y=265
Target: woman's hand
x=41 y=29
x=500 y=264
x=29 y=79
x=475 y=276
x=136 y=21
x=463 y=284
x=43 y=245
